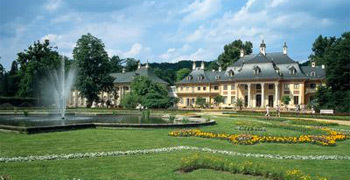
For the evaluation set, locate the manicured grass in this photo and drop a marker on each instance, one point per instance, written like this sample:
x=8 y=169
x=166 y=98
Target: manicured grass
x=157 y=166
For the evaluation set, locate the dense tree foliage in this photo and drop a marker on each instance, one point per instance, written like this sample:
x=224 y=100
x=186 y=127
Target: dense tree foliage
x=93 y=68
x=218 y=99
x=232 y=51
x=320 y=47
x=131 y=64
x=167 y=75
x=34 y=63
x=182 y=73
x=116 y=64
x=200 y=101
x=336 y=94
x=148 y=94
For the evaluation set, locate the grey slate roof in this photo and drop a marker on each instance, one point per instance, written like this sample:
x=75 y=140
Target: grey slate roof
x=274 y=66
x=319 y=73
x=127 y=77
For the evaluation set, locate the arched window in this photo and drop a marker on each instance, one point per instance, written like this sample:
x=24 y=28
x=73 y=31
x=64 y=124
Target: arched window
x=190 y=77
x=200 y=77
x=313 y=73
x=257 y=70
x=292 y=70
x=217 y=77
x=231 y=73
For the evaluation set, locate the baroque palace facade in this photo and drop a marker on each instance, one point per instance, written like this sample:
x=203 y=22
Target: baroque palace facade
x=257 y=79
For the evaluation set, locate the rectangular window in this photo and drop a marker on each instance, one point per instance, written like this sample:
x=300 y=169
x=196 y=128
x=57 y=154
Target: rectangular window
x=181 y=88
x=204 y=88
x=271 y=86
x=233 y=99
x=312 y=86
x=225 y=99
x=286 y=92
x=198 y=88
x=286 y=86
x=216 y=87
x=296 y=86
x=225 y=87
x=246 y=87
x=233 y=87
x=296 y=100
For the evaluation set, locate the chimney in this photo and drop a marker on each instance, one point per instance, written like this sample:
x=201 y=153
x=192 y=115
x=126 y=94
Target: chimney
x=263 y=48
x=323 y=66
x=220 y=68
x=285 y=48
x=147 y=66
x=202 y=65
x=194 y=65
x=313 y=64
x=139 y=65
x=241 y=53
x=123 y=70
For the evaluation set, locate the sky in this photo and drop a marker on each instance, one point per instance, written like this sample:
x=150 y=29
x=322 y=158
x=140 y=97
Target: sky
x=172 y=30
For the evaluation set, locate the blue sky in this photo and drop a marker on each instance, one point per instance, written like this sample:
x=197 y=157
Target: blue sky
x=169 y=31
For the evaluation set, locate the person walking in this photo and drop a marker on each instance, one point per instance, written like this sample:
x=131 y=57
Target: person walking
x=267 y=112
x=278 y=111
x=297 y=110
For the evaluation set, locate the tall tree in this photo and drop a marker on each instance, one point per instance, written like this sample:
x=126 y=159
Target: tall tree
x=232 y=51
x=320 y=47
x=93 y=68
x=182 y=73
x=116 y=64
x=34 y=62
x=336 y=94
x=13 y=79
x=131 y=64
x=3 y=85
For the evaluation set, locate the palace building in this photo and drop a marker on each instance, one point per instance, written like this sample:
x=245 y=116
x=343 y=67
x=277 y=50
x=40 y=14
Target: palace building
x=122 y=82
x=257 y=79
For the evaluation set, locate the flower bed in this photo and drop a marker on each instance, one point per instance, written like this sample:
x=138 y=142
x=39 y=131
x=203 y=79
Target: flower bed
x=249 y=139
x=196 y=161
x=166 y=150
x=247 y=128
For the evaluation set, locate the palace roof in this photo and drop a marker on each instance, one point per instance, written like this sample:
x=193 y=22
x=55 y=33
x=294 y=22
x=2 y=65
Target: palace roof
x=127 y=77
x=271 y=66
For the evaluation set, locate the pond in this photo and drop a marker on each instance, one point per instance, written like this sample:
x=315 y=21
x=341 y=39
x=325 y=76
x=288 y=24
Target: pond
x=54 y=120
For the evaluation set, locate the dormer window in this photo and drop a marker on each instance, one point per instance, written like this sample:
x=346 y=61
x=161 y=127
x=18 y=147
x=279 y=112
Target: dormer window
x=313 y=73
x=231 y=73
x=200 y=77
x=217 y=77
x=190 y=77
x=292 y=70
x=257 y=70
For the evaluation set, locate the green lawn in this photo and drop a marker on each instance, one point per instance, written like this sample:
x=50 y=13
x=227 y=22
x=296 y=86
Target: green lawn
x=163 y=165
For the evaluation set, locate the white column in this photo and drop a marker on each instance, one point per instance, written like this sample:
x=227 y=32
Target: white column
x=236 y=91
x=262 y=95
x=276 y=94
x=249 y=103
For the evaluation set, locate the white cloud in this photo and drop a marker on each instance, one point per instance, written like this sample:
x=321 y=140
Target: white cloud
x=201 y=10
x=51 y=37
x=134 y=51
x=52 y=5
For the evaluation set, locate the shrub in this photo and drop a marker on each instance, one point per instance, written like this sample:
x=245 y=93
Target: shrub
x=172 y=117
x=25 y=113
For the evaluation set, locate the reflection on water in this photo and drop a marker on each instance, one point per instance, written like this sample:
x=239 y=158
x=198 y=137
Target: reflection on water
x=52 y=120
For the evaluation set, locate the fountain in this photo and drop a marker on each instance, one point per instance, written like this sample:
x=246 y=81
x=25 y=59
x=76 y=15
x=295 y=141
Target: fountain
x=61 y=85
